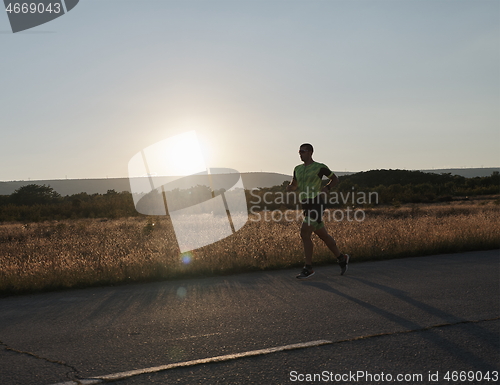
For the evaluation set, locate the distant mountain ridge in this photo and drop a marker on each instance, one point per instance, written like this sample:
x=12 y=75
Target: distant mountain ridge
x=466 y=172
x=250 y=180
x=101 y=186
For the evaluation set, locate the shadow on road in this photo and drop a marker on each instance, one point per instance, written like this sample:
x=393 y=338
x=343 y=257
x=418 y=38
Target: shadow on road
x=467 y=356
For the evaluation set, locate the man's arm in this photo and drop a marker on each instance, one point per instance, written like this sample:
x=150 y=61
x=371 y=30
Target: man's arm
x=334 y=180
x=293 y=184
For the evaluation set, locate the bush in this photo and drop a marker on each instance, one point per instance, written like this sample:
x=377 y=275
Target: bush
x=33 y=194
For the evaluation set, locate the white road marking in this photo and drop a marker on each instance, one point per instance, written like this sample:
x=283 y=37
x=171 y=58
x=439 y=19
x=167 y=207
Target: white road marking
x=228 y=357
x=199 y=336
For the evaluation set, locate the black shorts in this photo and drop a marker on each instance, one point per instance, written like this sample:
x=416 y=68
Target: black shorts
x=314 y=209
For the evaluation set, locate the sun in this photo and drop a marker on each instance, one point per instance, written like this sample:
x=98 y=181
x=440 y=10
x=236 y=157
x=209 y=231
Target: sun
x=179 y=155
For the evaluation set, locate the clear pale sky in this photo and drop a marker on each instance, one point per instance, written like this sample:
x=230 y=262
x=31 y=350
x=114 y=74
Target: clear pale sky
x=371 y=84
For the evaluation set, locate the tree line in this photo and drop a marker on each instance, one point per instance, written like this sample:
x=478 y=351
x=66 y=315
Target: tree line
x=391 y=187
x=34 y=203
x=37 y=203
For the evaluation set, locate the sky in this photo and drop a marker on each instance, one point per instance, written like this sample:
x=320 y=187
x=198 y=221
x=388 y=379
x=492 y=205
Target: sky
x=399 y=84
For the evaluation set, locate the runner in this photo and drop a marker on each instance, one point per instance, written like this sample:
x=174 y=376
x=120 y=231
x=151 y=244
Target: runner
x=307 y=178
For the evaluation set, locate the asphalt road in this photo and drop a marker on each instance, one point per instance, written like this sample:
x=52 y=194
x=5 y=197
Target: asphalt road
x=419 y=317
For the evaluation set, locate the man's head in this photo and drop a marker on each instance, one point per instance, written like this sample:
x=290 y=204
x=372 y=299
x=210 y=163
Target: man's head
x=305 y=152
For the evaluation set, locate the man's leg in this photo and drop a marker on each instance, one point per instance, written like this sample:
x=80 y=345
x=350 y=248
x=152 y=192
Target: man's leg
x=329 y=241
x=343 y=259
x=305 y=233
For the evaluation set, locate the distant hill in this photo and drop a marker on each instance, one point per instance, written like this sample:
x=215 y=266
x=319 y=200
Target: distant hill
x=466 y=172
x=250 y=180
x=374 y=178
x=71 y=186
x=101 y=186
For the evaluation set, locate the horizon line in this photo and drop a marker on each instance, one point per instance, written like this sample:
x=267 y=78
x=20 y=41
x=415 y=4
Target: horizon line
x=244 y=172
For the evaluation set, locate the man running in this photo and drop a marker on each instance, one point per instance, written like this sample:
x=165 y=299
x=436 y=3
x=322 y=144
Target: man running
x=307 y=178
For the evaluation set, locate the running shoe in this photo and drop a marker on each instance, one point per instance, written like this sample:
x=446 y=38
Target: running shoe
x=343 y=261
x=305 y=273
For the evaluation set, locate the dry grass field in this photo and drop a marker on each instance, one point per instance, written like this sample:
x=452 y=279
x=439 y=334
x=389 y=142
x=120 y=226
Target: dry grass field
x=87 y=252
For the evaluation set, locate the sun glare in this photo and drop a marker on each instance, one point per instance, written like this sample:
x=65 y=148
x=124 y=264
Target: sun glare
x=179 y=155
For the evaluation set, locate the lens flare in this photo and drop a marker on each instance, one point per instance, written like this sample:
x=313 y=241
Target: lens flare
x=181 y=292
x=186 y=258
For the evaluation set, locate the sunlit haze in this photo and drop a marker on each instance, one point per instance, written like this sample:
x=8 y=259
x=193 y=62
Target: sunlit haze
x=371 y=84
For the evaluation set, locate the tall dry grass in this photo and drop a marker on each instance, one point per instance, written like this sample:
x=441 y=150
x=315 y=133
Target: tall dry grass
x=85 y=252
